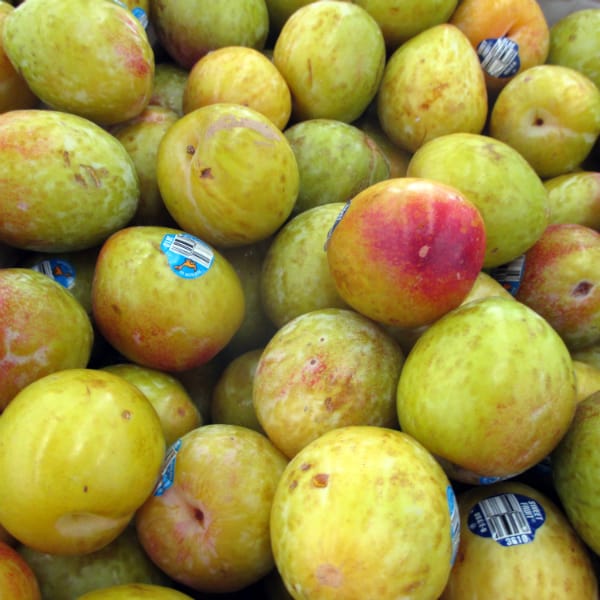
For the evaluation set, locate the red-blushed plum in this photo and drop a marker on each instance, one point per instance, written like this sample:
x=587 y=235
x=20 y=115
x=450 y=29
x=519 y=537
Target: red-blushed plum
x=405 y=251
x=98 y=64
x=575 y=198
x=80 y=451
x=135 y=591
x=364 y=512
x=189 y=30
x=329 y=74
x=66 y=184
x=561 y=282
x=207 y=523
x=489 y=389
x=14 y=91
x=509 y=36
x=164 y=298
x=295 y=276
x=175 y=408
x=551 y=115
x=227 y=174
x=432 y=85
x=576 y=471
x=43 y=329
x=17 y=580
x=503 y=186
x=515 y=542
x=325 y=369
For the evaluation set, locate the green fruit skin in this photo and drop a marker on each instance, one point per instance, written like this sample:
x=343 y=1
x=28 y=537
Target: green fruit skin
x=66 y=577
x=489 y=387
x=82 y=56
x=575 y=198
x=336 y=160
x=509 y=194
x=332 y=55
x=576 y=471
x=575 y=43
x=65 y=183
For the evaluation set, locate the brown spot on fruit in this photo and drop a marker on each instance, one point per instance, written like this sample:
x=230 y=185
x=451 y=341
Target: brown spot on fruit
x=329 y=575
x=199 y=515
x=320 y=480
x=206 y=173
x=190 y=149
x=126 y=414
x=583 y=288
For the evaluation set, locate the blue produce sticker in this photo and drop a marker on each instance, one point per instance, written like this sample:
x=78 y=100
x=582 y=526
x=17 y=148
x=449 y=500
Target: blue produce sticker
x=499 y=57
x=454 y=522
x=138 y=12
x=509 y=519
x=188 y=256
x=510 y=274
x=167 y=473
x=336 y=222
x=61 y=271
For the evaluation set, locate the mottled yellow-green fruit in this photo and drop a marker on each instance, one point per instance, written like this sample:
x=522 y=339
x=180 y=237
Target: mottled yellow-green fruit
x=85 y=57
x=575 y=198
x=66 y=184
x=364 y=512
x=517 y=544
x=135 y=591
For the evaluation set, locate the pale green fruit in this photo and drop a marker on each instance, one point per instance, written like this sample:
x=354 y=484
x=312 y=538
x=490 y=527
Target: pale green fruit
x=576 y=471
x=168 y=87
x=325 y=369
x=332 y=55
x=141 y=137
x=432 y=85
x=489 y=388
x=65 y=183
x=188 y=30
x=575 y=43
x=336 y=160
x=231 y=401
x=575 y=198
x=551 y=115
x=64 y=577
x=363 y=512
x=295 y=276
x=85 y=57
x=516 y=543
x=509 y=194
x=587 y=377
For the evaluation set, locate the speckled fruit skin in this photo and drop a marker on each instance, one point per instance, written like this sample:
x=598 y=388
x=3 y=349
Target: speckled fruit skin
x=17 y=580
x=295 y=276
x=363 y=512
x=325 y=369
x=561 y=281
x=554 y=565
x=84 y=57
x=65 y=183
x=154 y=317
x=210 y=529
x=43 y=329
x=188 y=31
x=432 y=84
x=576 y=471
x=503 y=186
x=575 y=198
x=488 y=388
x=135 y=591
x=406 y=251
x=330 y=75
x=81 y=450
x=227 y=174
x=336 y=160
x=14 y=91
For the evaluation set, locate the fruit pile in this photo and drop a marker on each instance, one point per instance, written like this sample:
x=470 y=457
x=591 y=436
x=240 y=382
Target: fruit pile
x=299 y=299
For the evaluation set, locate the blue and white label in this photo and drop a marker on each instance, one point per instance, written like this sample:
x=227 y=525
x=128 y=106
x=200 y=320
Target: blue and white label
x=336 y=222
x=510 y=275
x=454 y=522
x=188 y=256
x=499 y=57
x=509 y=519
x=167 y=473
x=138 y=12
x=61 y=271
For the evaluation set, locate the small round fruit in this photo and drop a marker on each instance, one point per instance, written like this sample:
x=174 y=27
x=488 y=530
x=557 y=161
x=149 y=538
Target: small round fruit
x=135 y=591
x=17 y=579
